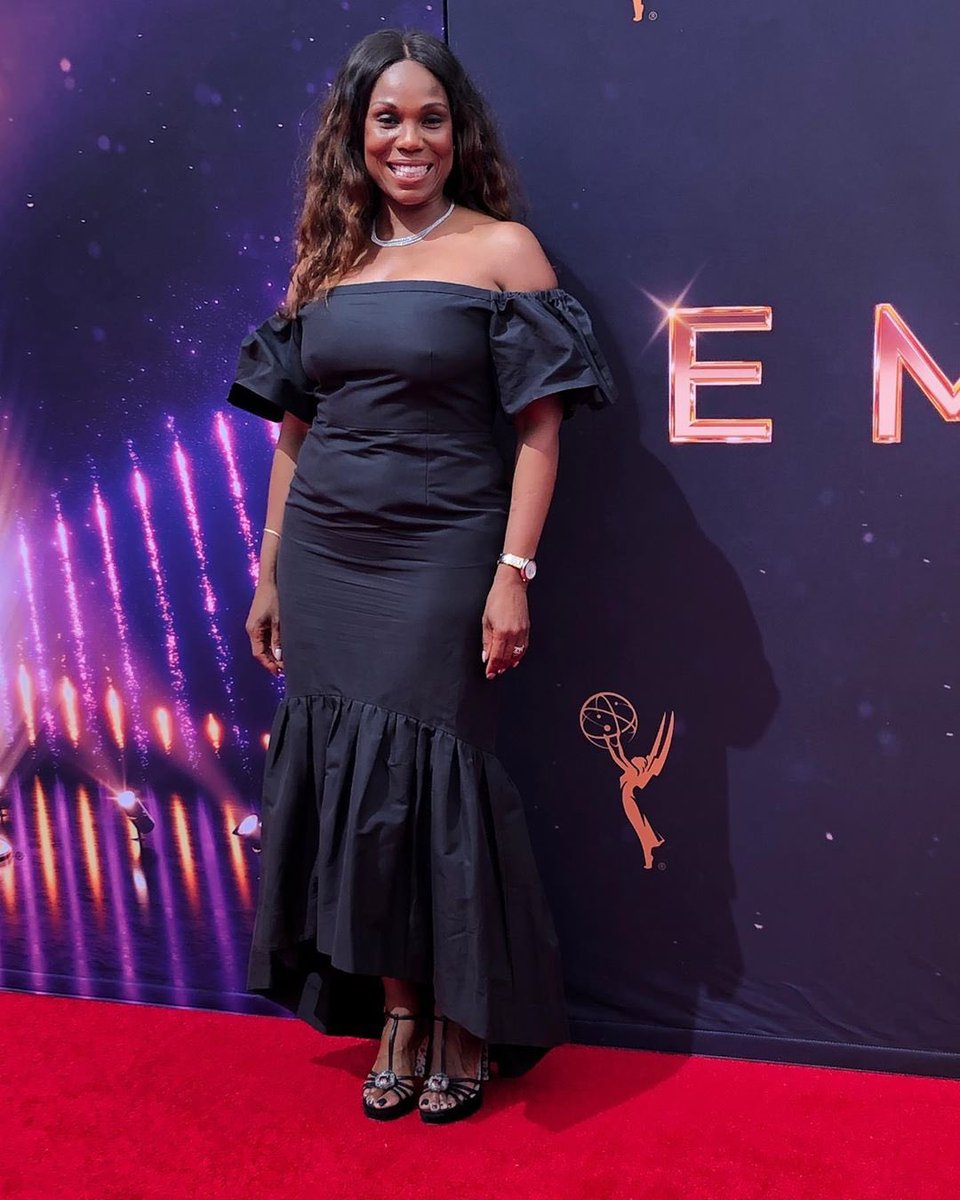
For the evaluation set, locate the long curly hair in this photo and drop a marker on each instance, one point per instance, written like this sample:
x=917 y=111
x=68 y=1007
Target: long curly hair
x=341 y=200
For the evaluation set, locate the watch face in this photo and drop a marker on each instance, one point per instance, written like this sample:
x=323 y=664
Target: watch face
x=530 y=569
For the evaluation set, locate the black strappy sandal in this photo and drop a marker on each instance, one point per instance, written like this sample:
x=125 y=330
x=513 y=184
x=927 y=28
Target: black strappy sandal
x=466 y=1090
x=388 y=1080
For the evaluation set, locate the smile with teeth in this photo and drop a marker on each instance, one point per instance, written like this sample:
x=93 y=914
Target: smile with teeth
x=410 y=170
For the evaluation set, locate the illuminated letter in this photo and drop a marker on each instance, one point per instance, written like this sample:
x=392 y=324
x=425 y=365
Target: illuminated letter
x=896 y=346
x=686 y=374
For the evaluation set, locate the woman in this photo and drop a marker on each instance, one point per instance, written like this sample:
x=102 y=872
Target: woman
x=397 y=873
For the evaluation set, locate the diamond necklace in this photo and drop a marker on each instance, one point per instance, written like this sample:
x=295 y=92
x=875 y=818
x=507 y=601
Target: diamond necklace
x=412 y=237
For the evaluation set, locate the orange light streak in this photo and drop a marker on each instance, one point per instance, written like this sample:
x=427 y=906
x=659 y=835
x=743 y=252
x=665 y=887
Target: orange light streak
x=114 y=706
x=163 y=725
x=181 y=834
x=214 y=731
x=91 y=857
x=8 y=885
x=238 y=859
x=47 y=855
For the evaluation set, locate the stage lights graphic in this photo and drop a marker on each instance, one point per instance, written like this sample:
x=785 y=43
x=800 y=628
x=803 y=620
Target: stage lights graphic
x=131 y=804
x=98 y=685
x=249 y=831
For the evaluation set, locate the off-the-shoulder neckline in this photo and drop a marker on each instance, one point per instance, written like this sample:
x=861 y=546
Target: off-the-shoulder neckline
x=431 y=285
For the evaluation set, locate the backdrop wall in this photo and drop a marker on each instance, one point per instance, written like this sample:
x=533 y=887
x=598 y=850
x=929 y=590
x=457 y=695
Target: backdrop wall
x=737 y=728
x=790 y=602
x=149 y=157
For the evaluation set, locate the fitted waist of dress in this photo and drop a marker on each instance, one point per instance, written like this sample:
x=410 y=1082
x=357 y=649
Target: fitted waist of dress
x=417 y=427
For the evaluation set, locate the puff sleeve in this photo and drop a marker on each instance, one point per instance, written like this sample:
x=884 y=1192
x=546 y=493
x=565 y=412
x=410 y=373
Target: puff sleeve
x=270 y=379
x=542 y=344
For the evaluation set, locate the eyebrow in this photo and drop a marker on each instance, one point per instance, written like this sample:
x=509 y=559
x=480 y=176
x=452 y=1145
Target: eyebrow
x=423 y=107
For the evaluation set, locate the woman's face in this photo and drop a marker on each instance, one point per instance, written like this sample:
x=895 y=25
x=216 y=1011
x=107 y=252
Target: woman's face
x=408 y=135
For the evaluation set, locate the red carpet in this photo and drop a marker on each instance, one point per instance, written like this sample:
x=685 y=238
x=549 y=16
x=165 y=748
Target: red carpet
x=103 y=1101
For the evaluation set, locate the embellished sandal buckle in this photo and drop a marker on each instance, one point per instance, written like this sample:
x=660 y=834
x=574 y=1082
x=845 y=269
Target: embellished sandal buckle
x=438 y=1083
x=385 y=1079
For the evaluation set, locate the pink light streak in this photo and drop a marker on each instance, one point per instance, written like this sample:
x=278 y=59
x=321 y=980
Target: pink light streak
x=177 y=680
x=25 y=688
x=71 y=713
x=114 y=707
x=76 y=622
x=6 y=713
x=184 y=478
x=102 y=518
x=39 y=650
x=189 y=497
x=224 y=435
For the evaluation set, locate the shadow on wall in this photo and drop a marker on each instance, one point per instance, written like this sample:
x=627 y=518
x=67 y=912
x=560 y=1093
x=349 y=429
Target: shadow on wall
x=634 y=599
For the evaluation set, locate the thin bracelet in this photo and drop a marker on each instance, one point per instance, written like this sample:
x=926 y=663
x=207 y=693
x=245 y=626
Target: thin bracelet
x=273 y=531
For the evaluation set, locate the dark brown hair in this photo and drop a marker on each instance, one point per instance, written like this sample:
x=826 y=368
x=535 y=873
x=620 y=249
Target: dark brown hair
x=341 y=200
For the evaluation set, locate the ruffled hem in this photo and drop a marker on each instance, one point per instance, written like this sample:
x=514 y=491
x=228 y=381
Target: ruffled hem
x=394 y=848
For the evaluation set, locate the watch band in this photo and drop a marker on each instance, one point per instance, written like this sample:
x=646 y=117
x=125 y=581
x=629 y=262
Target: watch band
x=526 y=566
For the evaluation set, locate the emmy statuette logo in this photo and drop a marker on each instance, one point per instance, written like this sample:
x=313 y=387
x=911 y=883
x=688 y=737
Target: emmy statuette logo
x=606 y=720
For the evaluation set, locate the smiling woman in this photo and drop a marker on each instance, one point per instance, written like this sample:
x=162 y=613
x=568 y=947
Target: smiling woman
x=408 y=138
x=396 y=864
x=403 y=135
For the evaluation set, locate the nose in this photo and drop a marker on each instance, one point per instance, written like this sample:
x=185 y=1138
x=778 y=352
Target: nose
x=408 y=136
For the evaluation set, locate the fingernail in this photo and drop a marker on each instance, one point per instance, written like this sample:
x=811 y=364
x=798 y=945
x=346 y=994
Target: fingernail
x=483 y=656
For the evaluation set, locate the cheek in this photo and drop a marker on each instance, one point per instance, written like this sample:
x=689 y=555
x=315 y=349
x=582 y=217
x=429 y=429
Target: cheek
x=443 y=147
x=375 y=143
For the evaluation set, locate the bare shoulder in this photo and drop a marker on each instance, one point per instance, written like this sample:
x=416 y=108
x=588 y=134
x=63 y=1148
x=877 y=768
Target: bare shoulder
x=516 y=258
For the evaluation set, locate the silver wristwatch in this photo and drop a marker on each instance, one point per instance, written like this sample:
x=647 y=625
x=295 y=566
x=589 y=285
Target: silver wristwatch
x=526 y=566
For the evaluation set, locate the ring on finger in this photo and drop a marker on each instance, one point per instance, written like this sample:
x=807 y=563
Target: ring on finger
x=519 y=649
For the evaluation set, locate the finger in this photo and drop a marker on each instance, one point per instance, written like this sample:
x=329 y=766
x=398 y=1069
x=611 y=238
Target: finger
x=260 y=647
x=275 y=648
x=518 y=651
x=485 y=653
x=499 y=659
x=514 y=649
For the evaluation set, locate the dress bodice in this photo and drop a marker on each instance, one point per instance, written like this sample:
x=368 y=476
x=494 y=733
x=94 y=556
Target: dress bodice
x=421 y=356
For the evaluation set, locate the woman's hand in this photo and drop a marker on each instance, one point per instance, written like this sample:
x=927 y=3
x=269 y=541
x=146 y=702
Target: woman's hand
x=506 y=622
x=263 y=628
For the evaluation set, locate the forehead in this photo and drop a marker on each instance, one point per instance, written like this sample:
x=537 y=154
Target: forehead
x=407 y=83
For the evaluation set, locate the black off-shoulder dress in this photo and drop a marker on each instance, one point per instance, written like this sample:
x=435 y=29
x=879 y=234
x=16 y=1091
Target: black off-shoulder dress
x=393 y=841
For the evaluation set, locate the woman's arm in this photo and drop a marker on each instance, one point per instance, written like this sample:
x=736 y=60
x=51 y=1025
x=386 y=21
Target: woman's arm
x=506 y=621
x=263 y=621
